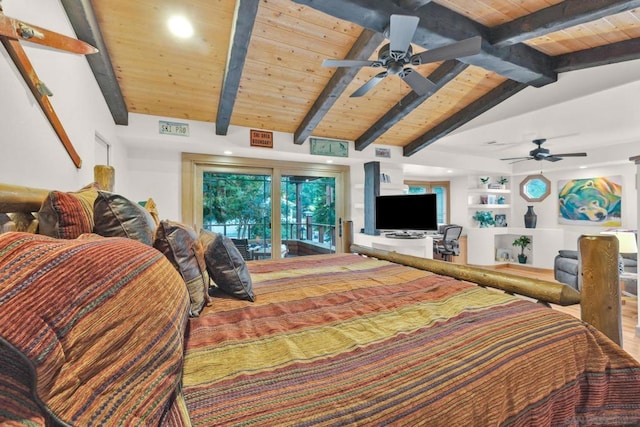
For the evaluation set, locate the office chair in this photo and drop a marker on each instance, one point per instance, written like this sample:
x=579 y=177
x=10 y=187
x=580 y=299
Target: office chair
x=243 y=247
x=448 y=246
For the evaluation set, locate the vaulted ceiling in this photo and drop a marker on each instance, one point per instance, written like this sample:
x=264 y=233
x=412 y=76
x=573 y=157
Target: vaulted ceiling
x=258 y=63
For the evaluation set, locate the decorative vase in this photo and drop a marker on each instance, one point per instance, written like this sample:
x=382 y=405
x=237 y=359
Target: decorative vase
x=530 y=218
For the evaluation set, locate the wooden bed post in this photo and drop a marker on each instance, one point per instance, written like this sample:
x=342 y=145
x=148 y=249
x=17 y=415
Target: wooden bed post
x=347 y=236
x=104 y=176
x=600 y=290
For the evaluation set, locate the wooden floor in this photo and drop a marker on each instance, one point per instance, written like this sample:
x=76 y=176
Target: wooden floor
x=630 y=341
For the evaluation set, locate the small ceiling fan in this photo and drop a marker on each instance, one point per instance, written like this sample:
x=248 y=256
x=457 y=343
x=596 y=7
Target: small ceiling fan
x=396 y=56
x=544 y=154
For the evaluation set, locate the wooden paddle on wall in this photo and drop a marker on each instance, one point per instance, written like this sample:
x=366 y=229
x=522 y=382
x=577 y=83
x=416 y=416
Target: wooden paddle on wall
x=11 y=32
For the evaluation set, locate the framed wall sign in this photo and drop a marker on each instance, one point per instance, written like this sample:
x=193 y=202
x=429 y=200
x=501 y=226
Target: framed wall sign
x=261 y=138
x=173 y=128
x=329 y=147
x=383 y=152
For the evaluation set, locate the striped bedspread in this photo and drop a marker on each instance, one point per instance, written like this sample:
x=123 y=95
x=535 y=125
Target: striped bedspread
x=346 y=340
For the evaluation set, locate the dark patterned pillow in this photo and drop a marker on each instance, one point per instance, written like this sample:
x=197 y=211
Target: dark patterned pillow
x=226 y=266
x=181 y=246
x=105 y=346
x=117 y=216
x=68 y=215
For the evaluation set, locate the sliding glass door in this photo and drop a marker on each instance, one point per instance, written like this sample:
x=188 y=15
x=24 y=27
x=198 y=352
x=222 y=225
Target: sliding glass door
x=239 y=201
x=308 y=214
x=238 y=206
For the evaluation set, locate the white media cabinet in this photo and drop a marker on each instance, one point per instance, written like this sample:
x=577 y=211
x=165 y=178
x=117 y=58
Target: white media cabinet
x=417 y=247
x=482 y=244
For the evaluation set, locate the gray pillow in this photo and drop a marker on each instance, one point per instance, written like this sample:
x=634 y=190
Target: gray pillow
x=180 y=244
x=116 y=216
x=226 y=266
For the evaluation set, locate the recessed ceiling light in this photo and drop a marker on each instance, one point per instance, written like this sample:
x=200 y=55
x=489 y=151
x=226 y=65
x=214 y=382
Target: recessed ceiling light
x=180 y=27
x=228 y=152
x=583 y=167
x=329 y=161
x=449 y=171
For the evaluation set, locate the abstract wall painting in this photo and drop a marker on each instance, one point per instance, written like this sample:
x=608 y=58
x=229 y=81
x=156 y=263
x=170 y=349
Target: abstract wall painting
x=591 y=201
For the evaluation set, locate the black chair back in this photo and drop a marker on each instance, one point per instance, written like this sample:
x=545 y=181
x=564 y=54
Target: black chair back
x=243 y=247
x=450 y=238
x=449 y=245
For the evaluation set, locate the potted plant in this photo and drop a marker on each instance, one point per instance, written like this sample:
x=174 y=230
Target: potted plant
x=484 y=218
x=484 y=182
x=523 y=242
x=503 y=182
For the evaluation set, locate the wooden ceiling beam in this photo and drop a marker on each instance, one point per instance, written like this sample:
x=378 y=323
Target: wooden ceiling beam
x=440 y=76
x=362 y=49
x=85 y=25
x=440 y=26
x=471 y=111
x=412 y=5
x=554 y=18
x=245 y=17
x=626 y=50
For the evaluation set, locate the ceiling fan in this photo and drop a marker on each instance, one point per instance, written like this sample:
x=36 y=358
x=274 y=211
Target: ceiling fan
x=544 y=154
x=396 y=56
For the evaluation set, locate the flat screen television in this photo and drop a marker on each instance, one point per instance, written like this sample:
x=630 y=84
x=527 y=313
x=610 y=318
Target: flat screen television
x=406 y=213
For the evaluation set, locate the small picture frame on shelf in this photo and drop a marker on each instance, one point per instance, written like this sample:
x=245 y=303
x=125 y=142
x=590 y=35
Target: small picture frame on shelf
x=504 y=255
x=494 y=186
x=501 y=220
x=484 y=200
x=491 y=199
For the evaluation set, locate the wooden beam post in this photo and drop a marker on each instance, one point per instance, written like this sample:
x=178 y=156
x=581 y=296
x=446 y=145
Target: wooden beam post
x=600 y=284
x=105 y=177
x=347 y=236
x=542 y=290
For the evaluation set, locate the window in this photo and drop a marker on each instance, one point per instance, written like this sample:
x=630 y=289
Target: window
x=535 y=188
x=440 y=188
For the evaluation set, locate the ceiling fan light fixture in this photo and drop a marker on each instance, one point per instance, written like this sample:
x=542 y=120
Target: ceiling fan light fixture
x=180 y=27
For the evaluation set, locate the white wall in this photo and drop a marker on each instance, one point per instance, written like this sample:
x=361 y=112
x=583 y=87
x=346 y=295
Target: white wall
x=548 y=209
x=31 y=153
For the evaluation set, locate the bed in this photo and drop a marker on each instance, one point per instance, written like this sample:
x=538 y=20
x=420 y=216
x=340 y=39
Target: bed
x=96 y=331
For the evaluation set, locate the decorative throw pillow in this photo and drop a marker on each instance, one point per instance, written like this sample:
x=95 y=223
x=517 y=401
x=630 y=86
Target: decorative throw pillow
x=68 y=215
x=181 y=246
x=116 y=216
x=105 y=346
x=226 y=266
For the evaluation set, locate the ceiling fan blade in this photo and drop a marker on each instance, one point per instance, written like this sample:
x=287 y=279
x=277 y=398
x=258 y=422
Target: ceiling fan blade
x=401 y=31
x=521 y=160
x=420 y=84
x=552 y=158
x=571 y=155
x=459 y=49
x=369 y=85
x=518 y=158
x=349 y=63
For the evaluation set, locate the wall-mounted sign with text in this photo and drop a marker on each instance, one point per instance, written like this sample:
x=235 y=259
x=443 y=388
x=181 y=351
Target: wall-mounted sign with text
x=261 y=138
x=383 y=152
x=173 y=128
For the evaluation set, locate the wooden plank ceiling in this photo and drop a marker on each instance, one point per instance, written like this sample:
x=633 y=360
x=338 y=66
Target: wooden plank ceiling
x=257 y=63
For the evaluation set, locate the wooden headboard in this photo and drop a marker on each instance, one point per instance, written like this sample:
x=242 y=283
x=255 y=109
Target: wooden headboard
x=17 y=203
